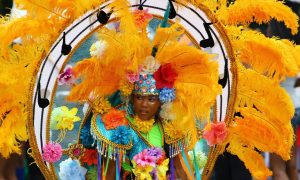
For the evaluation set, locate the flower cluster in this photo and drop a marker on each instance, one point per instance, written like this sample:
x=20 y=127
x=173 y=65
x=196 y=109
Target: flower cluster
x=215 y=133
x=150 y=164
x=165 y=76
x=62 y=118
x=132 y=77
x=167 y=95
x=121 y=135
x=114 y=118
x=67 y=77
x=98 y=48
x=101 y=105
x=90 y=157
x=201 y=158
x=85 y=135
x=172 y=130
x=52 y=152
x=126 y=87
x=166 y=111
x=71 y=169
x=142 y=17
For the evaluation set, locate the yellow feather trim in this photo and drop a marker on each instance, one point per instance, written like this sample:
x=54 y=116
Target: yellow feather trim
x=252 y=159
x=261 y=11
x=196 y=85
x=269 y=56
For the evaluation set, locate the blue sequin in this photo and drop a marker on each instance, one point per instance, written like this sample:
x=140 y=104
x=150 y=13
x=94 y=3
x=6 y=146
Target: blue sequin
x=146 y=85
x=167 y=95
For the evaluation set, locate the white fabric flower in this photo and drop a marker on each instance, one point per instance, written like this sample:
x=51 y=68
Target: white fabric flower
x=98 y=48
x=150 y=65
x=71 y=170
x=166 y=111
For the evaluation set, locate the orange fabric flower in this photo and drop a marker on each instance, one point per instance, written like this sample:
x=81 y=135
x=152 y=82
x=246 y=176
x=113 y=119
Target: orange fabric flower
x=114 y=118
x=142 y=17
x=90 y=157
x=216 y=133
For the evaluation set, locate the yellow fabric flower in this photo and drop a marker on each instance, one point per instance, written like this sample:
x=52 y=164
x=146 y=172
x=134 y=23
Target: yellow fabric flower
x=143 y=126
x=162 y=170
x=63 y=118
x=101 y=105
x=126 y=87
x=172 y=130
x=142 y=172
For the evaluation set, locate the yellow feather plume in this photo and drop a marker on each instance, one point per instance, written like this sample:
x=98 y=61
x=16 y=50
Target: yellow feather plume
x=269 y=56
x=246 y=11
x=262 y=125
x=97 y=79
x=252 y=159
x=15 y=78
x=196 y=85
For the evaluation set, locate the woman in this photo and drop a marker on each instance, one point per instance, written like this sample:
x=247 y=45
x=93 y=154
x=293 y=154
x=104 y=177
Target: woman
x=138 y=130
x=146 y=99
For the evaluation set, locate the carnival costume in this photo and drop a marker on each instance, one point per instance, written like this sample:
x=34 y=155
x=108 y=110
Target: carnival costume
x=127 y=60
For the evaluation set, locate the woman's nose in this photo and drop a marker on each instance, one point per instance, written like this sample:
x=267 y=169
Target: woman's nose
x=144 y=103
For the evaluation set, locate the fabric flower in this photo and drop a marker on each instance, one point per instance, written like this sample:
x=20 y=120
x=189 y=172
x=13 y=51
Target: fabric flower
x=172 y=130
x=52 y=152
x=71 y=170
x=90 y=157
x=142 y=17
x=63 y=118
x=98 y=48
x=144 y=159
x=85 y=135
x=67 y=77
x=126 y=88
x=132 y=77
x=143 y=172
x=201 y=158
x=215 y=133
x=162 y=169
x=165 y=76
x=121 y=135
x=167 y=95
x=142 y=125
x=166 y=111
x=150 y=65
x=114 y=118
x=76 y=151
x=158 y=153
x=100 y=105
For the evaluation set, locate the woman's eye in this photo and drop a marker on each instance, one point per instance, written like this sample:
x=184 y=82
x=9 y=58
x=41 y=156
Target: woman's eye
x=139 y=97
x=152 y=99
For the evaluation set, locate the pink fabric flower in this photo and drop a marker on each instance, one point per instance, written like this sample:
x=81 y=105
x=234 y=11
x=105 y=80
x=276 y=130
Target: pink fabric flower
x=216 y=133
x=144 y=159
x=142 y=17
x=52 y=152
x=132 y=77
x=67 y=77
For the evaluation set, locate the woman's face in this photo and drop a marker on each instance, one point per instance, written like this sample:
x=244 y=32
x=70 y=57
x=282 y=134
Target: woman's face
x=146 y=106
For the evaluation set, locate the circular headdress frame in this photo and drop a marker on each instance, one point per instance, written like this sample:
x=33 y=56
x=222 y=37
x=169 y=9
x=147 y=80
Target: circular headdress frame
x=198 y=22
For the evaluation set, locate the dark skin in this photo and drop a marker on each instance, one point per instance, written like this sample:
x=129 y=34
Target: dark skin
x=145 y=107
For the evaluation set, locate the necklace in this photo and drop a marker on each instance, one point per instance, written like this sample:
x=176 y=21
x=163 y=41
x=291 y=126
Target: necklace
x=143 y=126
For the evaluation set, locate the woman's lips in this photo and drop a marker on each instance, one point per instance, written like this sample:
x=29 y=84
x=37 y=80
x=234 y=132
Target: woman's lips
x=144 y=112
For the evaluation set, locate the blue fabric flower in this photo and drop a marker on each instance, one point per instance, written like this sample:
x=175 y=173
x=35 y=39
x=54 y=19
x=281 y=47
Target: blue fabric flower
x=85 y=135
x=71 y=170
x=121 y=135
x=167 y=95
